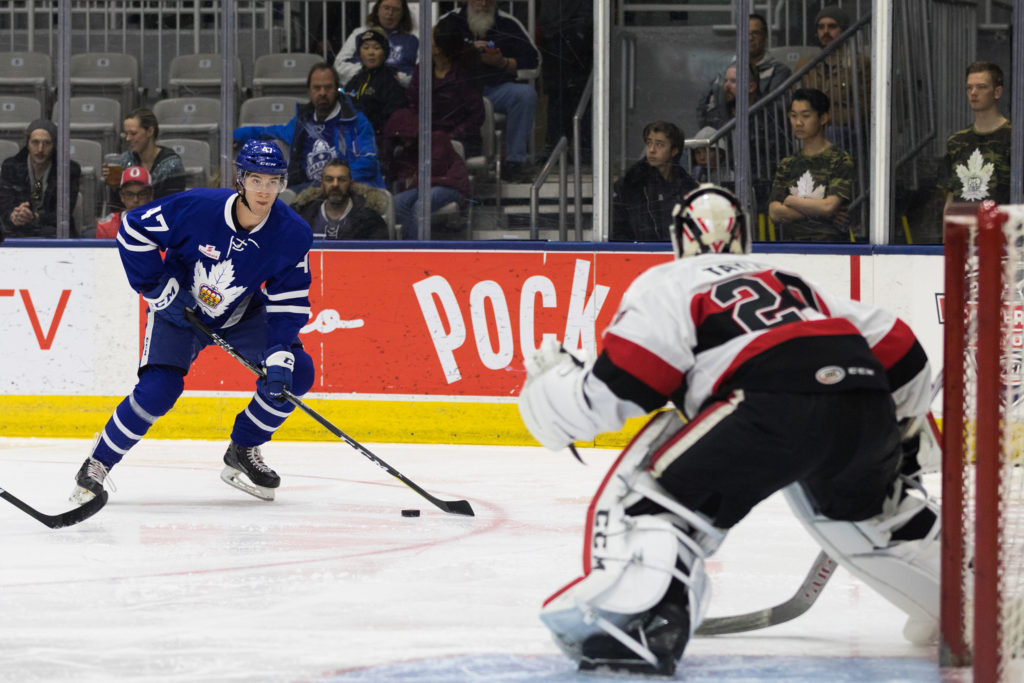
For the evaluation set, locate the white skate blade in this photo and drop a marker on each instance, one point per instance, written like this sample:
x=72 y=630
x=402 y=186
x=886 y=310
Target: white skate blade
x=81 y=496
x=229 y=475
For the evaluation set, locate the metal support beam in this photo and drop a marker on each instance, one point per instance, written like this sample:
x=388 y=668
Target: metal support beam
x=881 y=121
x=1017 y=107
x=601 y=120
x=62 y=145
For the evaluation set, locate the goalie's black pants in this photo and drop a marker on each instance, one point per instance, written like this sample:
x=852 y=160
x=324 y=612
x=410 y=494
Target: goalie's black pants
x=843 y=446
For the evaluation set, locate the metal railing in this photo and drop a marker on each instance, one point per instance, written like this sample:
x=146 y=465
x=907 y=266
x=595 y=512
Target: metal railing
x=558 y=155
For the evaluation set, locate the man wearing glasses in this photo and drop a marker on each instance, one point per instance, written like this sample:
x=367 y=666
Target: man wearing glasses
x=136 y=190
x=240 y=259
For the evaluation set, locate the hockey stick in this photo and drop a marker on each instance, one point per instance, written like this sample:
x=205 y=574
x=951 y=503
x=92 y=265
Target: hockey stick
x=68 y=518
x=805 y=596
x=455 y=507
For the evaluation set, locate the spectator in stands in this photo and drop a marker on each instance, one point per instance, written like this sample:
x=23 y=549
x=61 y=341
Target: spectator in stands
x=375 y=88
x=771 y=73
x=977 y=161
x=724 y=108
x=329 y=126
x=565 y=31
x=706 y=160
x=813 y=188
x=28 y=186
x=166 y=169
x=457 y=104
x=136 y=190
x=335 y=212
x=395 y=18
x=844 y=77
x=449 y=177
x=643 y=199
x=505 y=48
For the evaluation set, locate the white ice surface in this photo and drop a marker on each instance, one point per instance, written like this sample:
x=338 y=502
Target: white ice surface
x=183 y=579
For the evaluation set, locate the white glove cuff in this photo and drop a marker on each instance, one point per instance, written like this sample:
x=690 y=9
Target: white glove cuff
x=282 y=359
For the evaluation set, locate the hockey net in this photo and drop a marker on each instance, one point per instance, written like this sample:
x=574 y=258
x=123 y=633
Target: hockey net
x=983 y=442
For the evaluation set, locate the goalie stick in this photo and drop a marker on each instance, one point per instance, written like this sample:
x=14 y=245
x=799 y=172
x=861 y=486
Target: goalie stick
x=68 y=518
x=805 y=596
x=455 y=507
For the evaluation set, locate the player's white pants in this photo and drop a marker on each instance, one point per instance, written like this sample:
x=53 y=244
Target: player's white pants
x=630 y=561
x=904 y=572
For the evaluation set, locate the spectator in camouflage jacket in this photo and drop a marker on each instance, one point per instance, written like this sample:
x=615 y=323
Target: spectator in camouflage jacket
x=812 y=189
x=977 y=162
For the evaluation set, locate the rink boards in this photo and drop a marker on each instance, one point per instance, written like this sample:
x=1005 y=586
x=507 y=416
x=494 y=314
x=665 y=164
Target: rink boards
x=418 y=345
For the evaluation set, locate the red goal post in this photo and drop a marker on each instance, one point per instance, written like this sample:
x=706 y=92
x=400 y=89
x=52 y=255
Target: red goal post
x=983 y=442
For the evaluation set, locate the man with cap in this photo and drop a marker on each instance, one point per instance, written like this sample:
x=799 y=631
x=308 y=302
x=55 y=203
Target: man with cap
x=375 y=89
x=844 y=76
x=136 y=190
x=28 y=186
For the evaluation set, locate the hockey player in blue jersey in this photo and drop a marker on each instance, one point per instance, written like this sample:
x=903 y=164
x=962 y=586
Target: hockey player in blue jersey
x=221 y=248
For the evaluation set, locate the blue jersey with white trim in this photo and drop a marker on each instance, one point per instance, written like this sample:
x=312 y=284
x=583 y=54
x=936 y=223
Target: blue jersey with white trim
x=219 y=266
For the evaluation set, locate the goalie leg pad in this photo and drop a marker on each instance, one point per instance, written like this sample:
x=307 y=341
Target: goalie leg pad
x=905 y=571
x=644 y=589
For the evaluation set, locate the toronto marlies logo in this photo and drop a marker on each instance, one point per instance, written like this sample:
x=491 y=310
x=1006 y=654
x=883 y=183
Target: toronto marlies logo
x=213 y=290
x=975 y=177
x=317 y=159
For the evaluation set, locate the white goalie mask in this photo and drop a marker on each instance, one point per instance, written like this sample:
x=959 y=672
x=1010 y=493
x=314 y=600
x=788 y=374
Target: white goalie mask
x=709 y=220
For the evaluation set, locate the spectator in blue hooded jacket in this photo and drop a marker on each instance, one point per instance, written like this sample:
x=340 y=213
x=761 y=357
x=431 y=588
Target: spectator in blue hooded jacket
x=328 y=127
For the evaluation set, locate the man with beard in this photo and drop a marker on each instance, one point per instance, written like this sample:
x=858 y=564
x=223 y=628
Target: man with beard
x=328 y=127
x=505 y=49
x=28 y=186
x=334 y=212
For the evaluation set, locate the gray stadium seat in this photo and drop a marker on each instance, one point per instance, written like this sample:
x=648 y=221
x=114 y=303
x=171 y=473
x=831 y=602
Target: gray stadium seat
x=29 y=74
x=16 y=112
x=195 y=155
x=94 y=118
x=283 y=73
x=8 y=148
x=199 y=75
x=265 y=111
x=191 y=117
x=106 y=74
x=89 y=156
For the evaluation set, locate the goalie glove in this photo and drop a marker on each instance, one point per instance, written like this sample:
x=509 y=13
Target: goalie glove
x=551 y=373
x=279 y=363
x=551 y=354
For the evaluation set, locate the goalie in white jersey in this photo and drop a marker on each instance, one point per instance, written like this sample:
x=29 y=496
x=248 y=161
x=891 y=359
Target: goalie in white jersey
x=783 y=386
x=240 y=259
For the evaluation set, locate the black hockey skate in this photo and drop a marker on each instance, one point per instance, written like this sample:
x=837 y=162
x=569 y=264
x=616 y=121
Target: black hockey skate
x=664 y=631
x=239 y=460
x=89 y=481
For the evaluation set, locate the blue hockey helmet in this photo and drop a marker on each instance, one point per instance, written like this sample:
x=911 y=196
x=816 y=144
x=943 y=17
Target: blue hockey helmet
x=261 y=156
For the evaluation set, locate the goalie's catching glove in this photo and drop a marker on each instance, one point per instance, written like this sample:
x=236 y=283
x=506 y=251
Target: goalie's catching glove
x=546 y=371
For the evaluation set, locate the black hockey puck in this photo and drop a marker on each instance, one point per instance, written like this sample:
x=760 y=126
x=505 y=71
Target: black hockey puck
x=410 y=513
